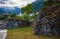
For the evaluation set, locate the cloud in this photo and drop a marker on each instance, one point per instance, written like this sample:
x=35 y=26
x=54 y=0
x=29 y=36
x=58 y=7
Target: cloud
x=12 y=3
x=5 y=2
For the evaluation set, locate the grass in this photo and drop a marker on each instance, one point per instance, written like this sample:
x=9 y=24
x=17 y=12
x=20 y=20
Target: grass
x=25 y=33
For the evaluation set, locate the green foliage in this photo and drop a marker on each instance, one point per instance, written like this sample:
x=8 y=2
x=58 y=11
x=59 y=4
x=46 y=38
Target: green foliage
x=24 y=16
x=51 y=2
x=33 y=16
x=3 y=17
x=27 y=10
x=13 y=15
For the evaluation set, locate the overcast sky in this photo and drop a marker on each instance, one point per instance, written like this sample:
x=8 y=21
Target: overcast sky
x=12 y=3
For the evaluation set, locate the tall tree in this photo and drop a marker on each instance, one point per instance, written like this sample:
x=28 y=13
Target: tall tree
x=12 y=15
x=51 y=2
x=27 y=10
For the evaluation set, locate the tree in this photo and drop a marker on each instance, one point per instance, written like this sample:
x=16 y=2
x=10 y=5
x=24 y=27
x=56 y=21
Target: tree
x=27 y=10
x=13 y=15
x=32 y=17
x=51 y=2
x=4 y=16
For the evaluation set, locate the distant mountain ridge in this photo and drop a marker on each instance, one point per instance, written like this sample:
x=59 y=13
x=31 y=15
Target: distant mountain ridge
x=15 y=10
x=38 y=4
x=10 y=10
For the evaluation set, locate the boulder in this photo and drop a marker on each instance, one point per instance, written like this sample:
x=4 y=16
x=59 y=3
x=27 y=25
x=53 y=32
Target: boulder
x=48 y=21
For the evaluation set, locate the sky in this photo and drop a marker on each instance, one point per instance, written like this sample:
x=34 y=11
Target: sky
x=13 y=3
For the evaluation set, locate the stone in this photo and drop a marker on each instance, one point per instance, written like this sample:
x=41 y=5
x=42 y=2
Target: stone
x=48 y=21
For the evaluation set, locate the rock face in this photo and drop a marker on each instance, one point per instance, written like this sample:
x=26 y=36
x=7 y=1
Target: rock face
x=48 y=21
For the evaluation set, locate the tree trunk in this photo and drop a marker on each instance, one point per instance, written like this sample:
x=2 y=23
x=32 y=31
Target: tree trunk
x=27 y=18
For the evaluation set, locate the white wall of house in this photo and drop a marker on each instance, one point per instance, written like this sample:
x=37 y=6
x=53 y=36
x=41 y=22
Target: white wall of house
x=3 y=33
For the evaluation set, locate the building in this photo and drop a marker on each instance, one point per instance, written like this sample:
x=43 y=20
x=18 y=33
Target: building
x=12 y=23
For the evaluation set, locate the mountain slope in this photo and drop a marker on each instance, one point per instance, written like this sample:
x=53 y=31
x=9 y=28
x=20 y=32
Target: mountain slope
x=10 y=10
x=38 y=4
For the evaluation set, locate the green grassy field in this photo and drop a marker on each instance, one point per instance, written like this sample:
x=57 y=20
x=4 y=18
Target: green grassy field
x=25 y=33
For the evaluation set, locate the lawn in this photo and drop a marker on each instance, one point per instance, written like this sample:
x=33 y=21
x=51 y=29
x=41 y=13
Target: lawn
x=25 y=33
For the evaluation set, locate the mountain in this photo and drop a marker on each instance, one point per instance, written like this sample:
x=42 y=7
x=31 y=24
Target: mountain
x=38 y=4
x=47 y=21
x=10 y=10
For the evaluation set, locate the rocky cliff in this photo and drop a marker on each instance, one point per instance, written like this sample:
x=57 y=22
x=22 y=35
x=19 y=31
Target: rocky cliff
x=48 y=21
